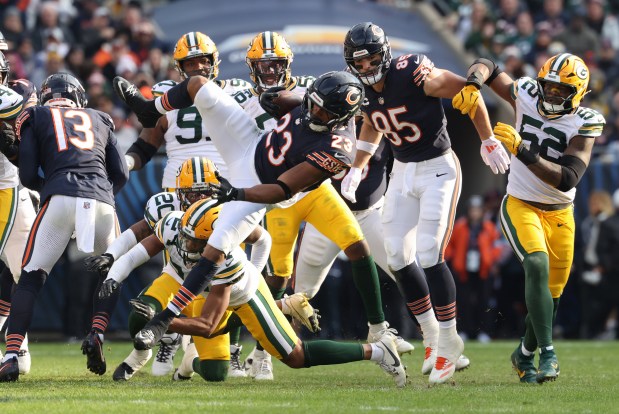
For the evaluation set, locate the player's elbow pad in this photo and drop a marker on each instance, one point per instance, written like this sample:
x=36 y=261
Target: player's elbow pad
x=143 y=150
x=572 y=170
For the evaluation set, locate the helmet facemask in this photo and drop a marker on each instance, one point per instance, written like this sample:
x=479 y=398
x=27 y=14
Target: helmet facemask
x=380 y=64
x=190 y=248
x=558 y=103
x=270 y=72
x=188 y=196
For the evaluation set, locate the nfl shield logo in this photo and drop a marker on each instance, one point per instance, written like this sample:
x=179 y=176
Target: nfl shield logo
x=86 y=205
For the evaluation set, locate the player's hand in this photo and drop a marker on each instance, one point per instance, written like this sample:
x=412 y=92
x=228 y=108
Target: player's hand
x=466 y=100
x=350 y=183
x=108 y=287
x=7 y=138
x=494 y=155
x=224 y=191
x=142 y=308
x=267 y=103
x=101 y=264
x=508 y=135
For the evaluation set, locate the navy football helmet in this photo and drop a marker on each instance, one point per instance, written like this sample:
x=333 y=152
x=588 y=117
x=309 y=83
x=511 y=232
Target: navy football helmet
x=363 y=40
x=63 y=89
x=5 y=68
x=340 y=94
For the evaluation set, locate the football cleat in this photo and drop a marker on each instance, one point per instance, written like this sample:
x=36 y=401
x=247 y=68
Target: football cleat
x=449 y=349
x=301 y=310
x=548 y=369
x=123 y=372
x=390 y=363
x=152 y=332
x=185 y=369
x=144 y=109
x=262 y=367
x=164 y=360
x=429 y=360
x=9 y=370
x=178 y=377
x=92 y=347
x=236 y=370
x=248 y=364
x=524 y=365
x=132 y=364
x=462 y=363
x=402 y=346
x=24 y=360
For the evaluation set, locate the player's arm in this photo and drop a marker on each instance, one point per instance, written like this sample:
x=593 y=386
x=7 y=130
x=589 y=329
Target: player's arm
x=261 y=242
x=115 y=165
x=147 y=144
x=29 y=159
x=135 y=257
x=213 y=309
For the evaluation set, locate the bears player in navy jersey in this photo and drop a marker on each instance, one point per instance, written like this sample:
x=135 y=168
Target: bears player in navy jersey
x=309 y=144
x=76 y=149
x=403 y=104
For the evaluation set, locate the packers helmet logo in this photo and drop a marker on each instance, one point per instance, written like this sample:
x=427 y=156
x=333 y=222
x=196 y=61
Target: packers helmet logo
x=353 y=97
x=582 y=72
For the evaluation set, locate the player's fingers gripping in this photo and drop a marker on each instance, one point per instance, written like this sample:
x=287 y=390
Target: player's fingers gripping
x=508 y=136
x=142 y=308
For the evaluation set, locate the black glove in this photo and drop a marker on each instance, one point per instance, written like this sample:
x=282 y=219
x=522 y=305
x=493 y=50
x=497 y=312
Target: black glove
x=224 y=191
x=107 y=288
x=101 y=264
x=142 y=308
x=266 y=101
x=8 y=140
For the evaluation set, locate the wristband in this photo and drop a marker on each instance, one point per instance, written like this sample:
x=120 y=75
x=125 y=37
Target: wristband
x=476 y=79
x=367 y=147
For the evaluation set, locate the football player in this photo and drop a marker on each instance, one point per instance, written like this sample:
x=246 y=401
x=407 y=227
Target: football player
x=269 y=58
x=17 y=211
x=551 y=148
x=237 y=288
x=76 y=149
x=309 y=145
x=403 y=104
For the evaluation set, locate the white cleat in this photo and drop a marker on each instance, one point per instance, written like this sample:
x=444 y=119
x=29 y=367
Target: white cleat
x=164 y=360
x=390 y=363
x=462 y=363
x=132 y=364
x=185 y=369
x=429 y=360
x=262 y=366
x=402 y=346
x=449 y=351
x=235 y=369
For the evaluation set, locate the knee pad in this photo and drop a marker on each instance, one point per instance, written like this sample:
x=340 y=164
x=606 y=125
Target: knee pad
x=427 y=250
x=395 y=255
x=211 y=370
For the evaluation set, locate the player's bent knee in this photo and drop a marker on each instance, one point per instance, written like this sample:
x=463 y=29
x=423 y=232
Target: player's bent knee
x=211 y=370
x=395 y=255
x=296 y=359
x=427 y=251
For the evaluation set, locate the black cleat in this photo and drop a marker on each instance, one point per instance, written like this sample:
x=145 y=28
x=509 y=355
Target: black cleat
x=92 y=347
x=144 y=109
x=152 y=333
x=9 y=370
x=123 y=373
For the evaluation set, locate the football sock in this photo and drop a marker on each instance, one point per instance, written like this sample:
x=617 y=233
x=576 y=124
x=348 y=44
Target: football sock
x=6 y=289
x=103 y=308
x=443 y=288
x=331 y=352
x=529 y=341
x=365 y=276
x=211 y=370
x=29 y=286
x=235 y=335
x=413 y=287
x=176 y=98
x=537 y=296
x=196 y=281
x=136 y=321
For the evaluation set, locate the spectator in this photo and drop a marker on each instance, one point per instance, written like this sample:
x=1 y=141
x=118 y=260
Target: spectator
x=553 y=14
x=473 y=21
x=49 y=25
x=525 y=33
x=100 y=31
x=605 y=25
x=12 y=27
x=507 y=15
x=581 y=39
x=543 y=39
x=144 y=41
x=472 y=253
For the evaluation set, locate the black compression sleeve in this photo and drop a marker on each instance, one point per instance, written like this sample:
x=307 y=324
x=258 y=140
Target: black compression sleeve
x=178 y=97
x=143 y=150
x=572 y=169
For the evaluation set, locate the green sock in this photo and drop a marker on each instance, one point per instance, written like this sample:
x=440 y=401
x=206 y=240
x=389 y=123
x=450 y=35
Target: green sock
x=555 y=309
x=365 y=276
x=137 y=322
x=538 y=298
x=331 y=352
x=211 y=370
x=529 y=340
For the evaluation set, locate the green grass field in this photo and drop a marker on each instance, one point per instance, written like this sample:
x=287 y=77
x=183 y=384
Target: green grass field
x=60 y=383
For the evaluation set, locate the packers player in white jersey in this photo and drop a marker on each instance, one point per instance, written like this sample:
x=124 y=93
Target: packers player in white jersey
x=170 y=236
x=269 y=58
x=238 y=289
x=183 y=131
x=551 y=146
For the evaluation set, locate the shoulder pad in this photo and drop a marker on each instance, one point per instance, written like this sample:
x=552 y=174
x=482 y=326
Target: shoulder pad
x=11 y=103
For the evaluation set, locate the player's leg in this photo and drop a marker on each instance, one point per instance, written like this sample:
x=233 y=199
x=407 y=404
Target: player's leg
x=213 y=354
x=522 y=226
x=439 y=185
x=49 y=236
x=399 y=222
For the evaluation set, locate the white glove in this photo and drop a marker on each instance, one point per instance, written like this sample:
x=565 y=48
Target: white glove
x=350 y=184
x=494 y=155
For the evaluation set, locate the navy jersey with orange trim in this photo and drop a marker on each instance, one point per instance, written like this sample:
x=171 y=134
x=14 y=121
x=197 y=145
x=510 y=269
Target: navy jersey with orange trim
x=291 y=143
x=413 y=122
x=76 y=150
x=26 y=89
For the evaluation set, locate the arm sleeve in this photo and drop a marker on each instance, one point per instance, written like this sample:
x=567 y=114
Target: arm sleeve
x=117 y=169
x=29 y=159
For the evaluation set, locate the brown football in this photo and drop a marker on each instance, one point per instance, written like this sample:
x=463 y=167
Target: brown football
x=287 y=101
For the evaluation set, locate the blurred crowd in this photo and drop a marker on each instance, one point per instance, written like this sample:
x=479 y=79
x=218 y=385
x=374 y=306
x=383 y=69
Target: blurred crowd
x=522 y=34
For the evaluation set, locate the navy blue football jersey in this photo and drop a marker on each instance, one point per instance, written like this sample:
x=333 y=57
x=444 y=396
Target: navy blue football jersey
x=291 y=143
x=76 y=150
x=26 y=89
x=413 y=122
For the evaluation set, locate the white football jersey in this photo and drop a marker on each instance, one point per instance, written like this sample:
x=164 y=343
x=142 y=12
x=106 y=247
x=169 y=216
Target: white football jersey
x=187 y=136
x=250 y=101
x=550 y=137
x=159 y=205
x=235 y=270
x=9 y=175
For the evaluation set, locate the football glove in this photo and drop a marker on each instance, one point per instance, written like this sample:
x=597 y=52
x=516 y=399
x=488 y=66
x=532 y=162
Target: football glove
x=142 y=308
x=466 y=100
x=494 y=155
x=267 y=101
x=350 y=183
x=300 y=309
x=224 y=191
x=508 y=136
x=107 y=288
x=7 y=140
x=101 y=264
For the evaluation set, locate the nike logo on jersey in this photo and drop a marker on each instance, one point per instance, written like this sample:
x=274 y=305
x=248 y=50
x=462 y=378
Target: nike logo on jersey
x=560 y=225
x=440 y=175
x=340 y=156
x=417 y=60
x=229 y=262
